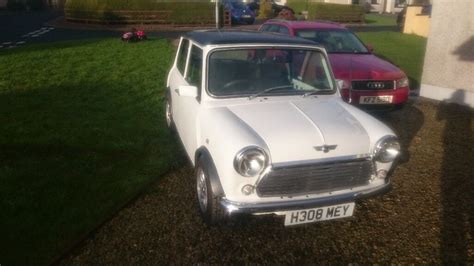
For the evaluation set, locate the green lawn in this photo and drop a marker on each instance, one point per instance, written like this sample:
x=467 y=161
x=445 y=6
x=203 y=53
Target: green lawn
x=405 y=51
x=81 y=131
x=380 y=20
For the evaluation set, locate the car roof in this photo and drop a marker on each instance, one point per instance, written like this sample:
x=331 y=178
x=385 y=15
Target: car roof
x=317 y=24
x=209 y=37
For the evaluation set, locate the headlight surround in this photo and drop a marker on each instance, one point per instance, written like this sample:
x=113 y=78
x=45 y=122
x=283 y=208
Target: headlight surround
x=250 y=161
x=403 y=82
x=387 y=149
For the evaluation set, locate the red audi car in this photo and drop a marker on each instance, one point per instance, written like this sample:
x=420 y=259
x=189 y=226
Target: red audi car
x=368 y=80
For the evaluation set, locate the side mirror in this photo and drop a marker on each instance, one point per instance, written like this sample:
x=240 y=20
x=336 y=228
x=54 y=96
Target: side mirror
x=370 y=47
x=339 y=84
x=188 y=91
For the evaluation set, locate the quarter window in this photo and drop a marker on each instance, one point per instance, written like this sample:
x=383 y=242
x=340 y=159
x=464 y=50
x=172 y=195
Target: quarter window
x=265 y=27
x=182 y=55
x=284 y=30
x=274 y=28
x=195 y=67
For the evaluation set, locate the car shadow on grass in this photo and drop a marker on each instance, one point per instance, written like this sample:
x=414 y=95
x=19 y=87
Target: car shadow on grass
x=72 y=154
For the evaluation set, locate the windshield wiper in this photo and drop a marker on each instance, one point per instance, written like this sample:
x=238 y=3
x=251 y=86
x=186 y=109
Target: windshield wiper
x=269 y=90
x=317 y=92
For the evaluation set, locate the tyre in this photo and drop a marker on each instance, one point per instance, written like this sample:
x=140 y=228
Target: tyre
x=169 y=114
x=211 y=210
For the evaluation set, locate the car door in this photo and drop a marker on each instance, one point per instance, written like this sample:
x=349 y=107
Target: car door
x=176 y=79
x=188 y=107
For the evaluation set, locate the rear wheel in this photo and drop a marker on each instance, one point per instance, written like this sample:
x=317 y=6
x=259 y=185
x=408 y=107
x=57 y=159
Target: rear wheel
x=211 y=210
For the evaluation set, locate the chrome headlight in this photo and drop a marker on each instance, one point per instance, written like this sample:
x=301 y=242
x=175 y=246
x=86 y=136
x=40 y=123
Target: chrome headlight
x=387 y=149
x=343 y=84
x=403 y=82
x=250 y=161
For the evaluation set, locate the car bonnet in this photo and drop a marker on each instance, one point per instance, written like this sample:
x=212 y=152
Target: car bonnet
x=298 y=130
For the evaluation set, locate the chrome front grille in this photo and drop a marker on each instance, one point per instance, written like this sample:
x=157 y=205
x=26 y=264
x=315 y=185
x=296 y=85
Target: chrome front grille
x=315 y=178
x=372 y=85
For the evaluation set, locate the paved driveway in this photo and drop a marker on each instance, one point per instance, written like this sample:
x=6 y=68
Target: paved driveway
x=427 y=219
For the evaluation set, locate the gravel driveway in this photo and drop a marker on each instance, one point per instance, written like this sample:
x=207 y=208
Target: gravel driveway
x=427 y=218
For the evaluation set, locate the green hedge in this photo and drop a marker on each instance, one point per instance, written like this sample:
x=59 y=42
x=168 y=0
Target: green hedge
x=24 y=4
x=15 y=5
x=324 y=11
x=141 y=11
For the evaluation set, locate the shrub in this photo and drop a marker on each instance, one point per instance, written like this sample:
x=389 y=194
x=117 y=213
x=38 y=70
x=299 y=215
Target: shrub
x=324 y=11
x=265 y=11
x=35 y=4
x=141 y=11
x=15 y=5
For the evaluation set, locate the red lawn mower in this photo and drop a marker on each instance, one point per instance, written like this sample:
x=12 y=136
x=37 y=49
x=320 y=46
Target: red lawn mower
x=134 y=36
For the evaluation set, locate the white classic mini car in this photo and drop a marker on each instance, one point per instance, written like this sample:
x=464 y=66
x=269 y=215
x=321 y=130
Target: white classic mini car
x=262 y=120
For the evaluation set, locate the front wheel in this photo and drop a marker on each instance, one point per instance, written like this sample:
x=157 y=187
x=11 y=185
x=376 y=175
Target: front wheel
x=211 y=210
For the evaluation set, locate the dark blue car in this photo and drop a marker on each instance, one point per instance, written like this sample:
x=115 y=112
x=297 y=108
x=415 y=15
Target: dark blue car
x=239 y=12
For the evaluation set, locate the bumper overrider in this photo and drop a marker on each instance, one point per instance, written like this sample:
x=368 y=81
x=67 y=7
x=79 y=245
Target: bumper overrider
x=273 y=207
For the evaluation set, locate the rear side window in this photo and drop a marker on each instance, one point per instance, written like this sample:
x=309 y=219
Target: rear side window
x=182 y=55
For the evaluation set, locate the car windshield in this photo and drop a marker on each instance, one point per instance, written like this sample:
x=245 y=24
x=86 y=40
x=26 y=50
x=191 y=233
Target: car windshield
x=335 y=41
x=268 y=71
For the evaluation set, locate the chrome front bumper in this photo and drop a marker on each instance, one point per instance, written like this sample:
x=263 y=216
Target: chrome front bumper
x=270 y=207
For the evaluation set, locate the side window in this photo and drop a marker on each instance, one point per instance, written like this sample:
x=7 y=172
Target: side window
x=284 y=30
x=182 y=55
x=194 y=76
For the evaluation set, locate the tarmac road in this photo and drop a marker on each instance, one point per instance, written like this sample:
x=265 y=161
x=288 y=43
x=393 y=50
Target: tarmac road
x=24 y=27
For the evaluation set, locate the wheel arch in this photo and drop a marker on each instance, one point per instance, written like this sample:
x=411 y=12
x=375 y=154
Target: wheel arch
x=202 y=154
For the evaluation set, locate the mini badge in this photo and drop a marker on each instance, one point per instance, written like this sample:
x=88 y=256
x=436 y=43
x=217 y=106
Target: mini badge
x=325 y=148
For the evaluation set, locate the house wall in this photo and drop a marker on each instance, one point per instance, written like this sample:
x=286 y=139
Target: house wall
x=415 y=23
x=54 y=3
x=390 y=6
x=344 y=2
x=448 y=72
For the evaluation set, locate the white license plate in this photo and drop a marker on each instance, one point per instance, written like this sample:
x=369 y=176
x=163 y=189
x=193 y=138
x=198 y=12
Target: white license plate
x=245 y=16
x=376 y=99
x=319 y=214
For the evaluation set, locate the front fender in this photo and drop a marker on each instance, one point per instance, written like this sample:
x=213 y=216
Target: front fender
x=223 y=135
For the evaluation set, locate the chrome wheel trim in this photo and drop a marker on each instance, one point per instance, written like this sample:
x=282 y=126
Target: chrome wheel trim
x=168 y=113
x=201 y=187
